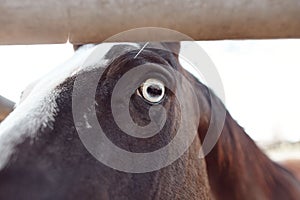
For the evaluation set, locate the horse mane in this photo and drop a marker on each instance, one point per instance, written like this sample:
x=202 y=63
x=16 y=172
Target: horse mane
x=238 y=169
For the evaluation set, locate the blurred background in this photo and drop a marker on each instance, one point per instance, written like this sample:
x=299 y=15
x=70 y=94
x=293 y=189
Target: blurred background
x=261 y=79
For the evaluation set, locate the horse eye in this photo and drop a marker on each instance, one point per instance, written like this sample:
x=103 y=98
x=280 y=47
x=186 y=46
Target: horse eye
x=152 y=90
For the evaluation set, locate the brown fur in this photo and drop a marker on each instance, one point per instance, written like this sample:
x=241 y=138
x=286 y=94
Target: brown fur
x=293 y=166
x=56 y=165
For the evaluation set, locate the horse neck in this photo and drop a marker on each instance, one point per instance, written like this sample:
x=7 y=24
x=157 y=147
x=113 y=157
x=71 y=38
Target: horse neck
x=238 y=169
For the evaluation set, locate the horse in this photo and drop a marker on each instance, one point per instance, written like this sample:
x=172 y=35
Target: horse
x=293 y=165
x=43 y=157
x=6 y=106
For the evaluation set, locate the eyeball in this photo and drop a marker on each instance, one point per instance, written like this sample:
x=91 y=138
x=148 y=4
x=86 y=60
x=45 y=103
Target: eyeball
x=152 y=90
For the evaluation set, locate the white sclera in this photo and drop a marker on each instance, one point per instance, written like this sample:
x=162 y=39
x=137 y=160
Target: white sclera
x=154 y=83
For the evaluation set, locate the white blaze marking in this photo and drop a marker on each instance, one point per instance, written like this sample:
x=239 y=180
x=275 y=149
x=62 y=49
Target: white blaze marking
x=38 y=107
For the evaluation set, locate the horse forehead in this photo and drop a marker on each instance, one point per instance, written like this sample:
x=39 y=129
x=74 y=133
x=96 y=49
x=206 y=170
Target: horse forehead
x=37 y=108
x=37 y=94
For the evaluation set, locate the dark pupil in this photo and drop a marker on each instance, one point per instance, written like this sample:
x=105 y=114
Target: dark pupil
x=154 y=90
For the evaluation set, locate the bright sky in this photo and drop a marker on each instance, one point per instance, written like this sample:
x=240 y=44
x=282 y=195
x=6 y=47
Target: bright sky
x=260 y=77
